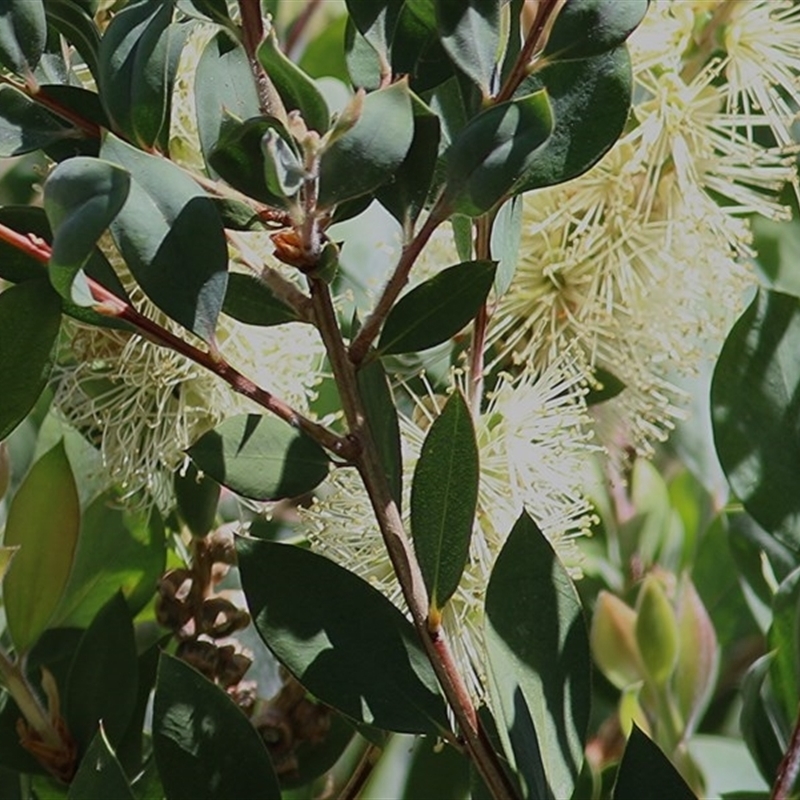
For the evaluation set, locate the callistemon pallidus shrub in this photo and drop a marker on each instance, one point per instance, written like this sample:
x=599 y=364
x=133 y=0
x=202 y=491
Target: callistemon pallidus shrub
x=318 y=324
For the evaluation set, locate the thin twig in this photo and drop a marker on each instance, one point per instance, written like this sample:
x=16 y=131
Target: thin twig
x=361 y=774
x=299 y=25
x=789 y=768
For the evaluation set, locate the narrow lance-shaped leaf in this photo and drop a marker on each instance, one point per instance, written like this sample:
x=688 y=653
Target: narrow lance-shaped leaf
x=46 y=539
x=203 y=744
x=23 y=33
x=171 y=237
x=262 y=458
x=76 y=24
x=81 y=197
x=539 y=662
x=376 y=22
x=438 y=309
x=30 y=318
x=444 y=496
x=470 y=33
x=25 y=126
x=341 y=638
x=100 y=773
x=485 y=161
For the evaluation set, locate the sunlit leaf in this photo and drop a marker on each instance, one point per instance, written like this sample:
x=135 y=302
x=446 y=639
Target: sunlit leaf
x=23 y=33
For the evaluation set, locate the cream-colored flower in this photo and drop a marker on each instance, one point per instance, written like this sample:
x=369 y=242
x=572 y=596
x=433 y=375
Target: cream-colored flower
x=533 y=444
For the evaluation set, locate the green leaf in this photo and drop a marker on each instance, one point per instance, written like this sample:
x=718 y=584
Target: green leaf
x=784 y=643
x=215 y=10
x=103 y=676
x=6 y=554
x=197 y=497
x=470 y=33
x=250 y=301
x=538 y=661
x=100 y=775
x=417 y=50
x=436 y=771
x=296 y=89
x=376 y=22
x=262 y=458
x=81 y=197
x=138 y=57
x=323 y=56
x=364 y=65
x=438 y=309
x=444 y=496
x=586 y=28
x=30 y=318
x=341 y=638
x=171 y=238
x=78 y=28
x=25 y=126
x=369 y=153
x=606 y=385
x=488 y=156
x=645 y=773
x=588 y=94
x=224 y=88
x=755 y=416
x=117 y=551
x=381 y=413
x=505 y=241
x=23 y=34
x=204 y=746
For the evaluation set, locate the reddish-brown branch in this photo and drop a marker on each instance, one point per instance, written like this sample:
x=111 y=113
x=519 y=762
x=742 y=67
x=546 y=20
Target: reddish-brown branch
x=299 y=25
x=789 y=767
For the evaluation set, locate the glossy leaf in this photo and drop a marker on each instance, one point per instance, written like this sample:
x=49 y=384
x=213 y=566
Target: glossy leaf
x=296 y=89
x=444 y=496
x=172 y=239
x=316 y=758
x=81 y=197
x=593 y=92
x=197 y=497
x=784 y=642
x=23 y=33
x=25 y=126
x=539 y=662
x=117 y=551
x=100 y=774
x=369 y=153
x=341 y=638
x=755 y=414
x=438 y=309
x=417 y=49
x=262 y=458
x=645 y=773
x=103 y=676
x=204 y=745
x=77 y=26
x=376 y=22
x=586 y=28
x=216 y=10
x=250 y=301
x=496 y=147
x=381 y=413
x=470 y=33
x=138 y=58
x=505 y=241
x=223 y=88
x=364 y=65
x=30 y=318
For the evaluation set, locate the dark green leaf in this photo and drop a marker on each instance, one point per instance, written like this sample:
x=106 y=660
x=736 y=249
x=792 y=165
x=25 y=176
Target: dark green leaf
x=236 y=215
x=81 y=197
x=606 y=386
x=103 y=677
x=30 y=318
x=100 y=776
x=238 y=158
x=777 y=243
x=589 y=94
x=224 y=88
x=216 y=10
x=364 y=65
x=296 y=89
x=172 y=239
x=487 y=158
x=470 y=33
x=138 y=58
x=250 y=301
x=436 y=310
x=505 y=240
x=23 y=34
x=539 y=663
x=376 y=22
x=404 y=198
x=25 y=126
x=436 y=770
x=197 y=497
x=444 y=496
x=340 y=637
x=586 y=28
x=117 y=551
x=15 y=265
x=645 y=773
x=78 y=28
x=783 y=641
x=755 y=414
x=205 y=747
x=381 y=413
x=369 y=153
x=260 y=457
